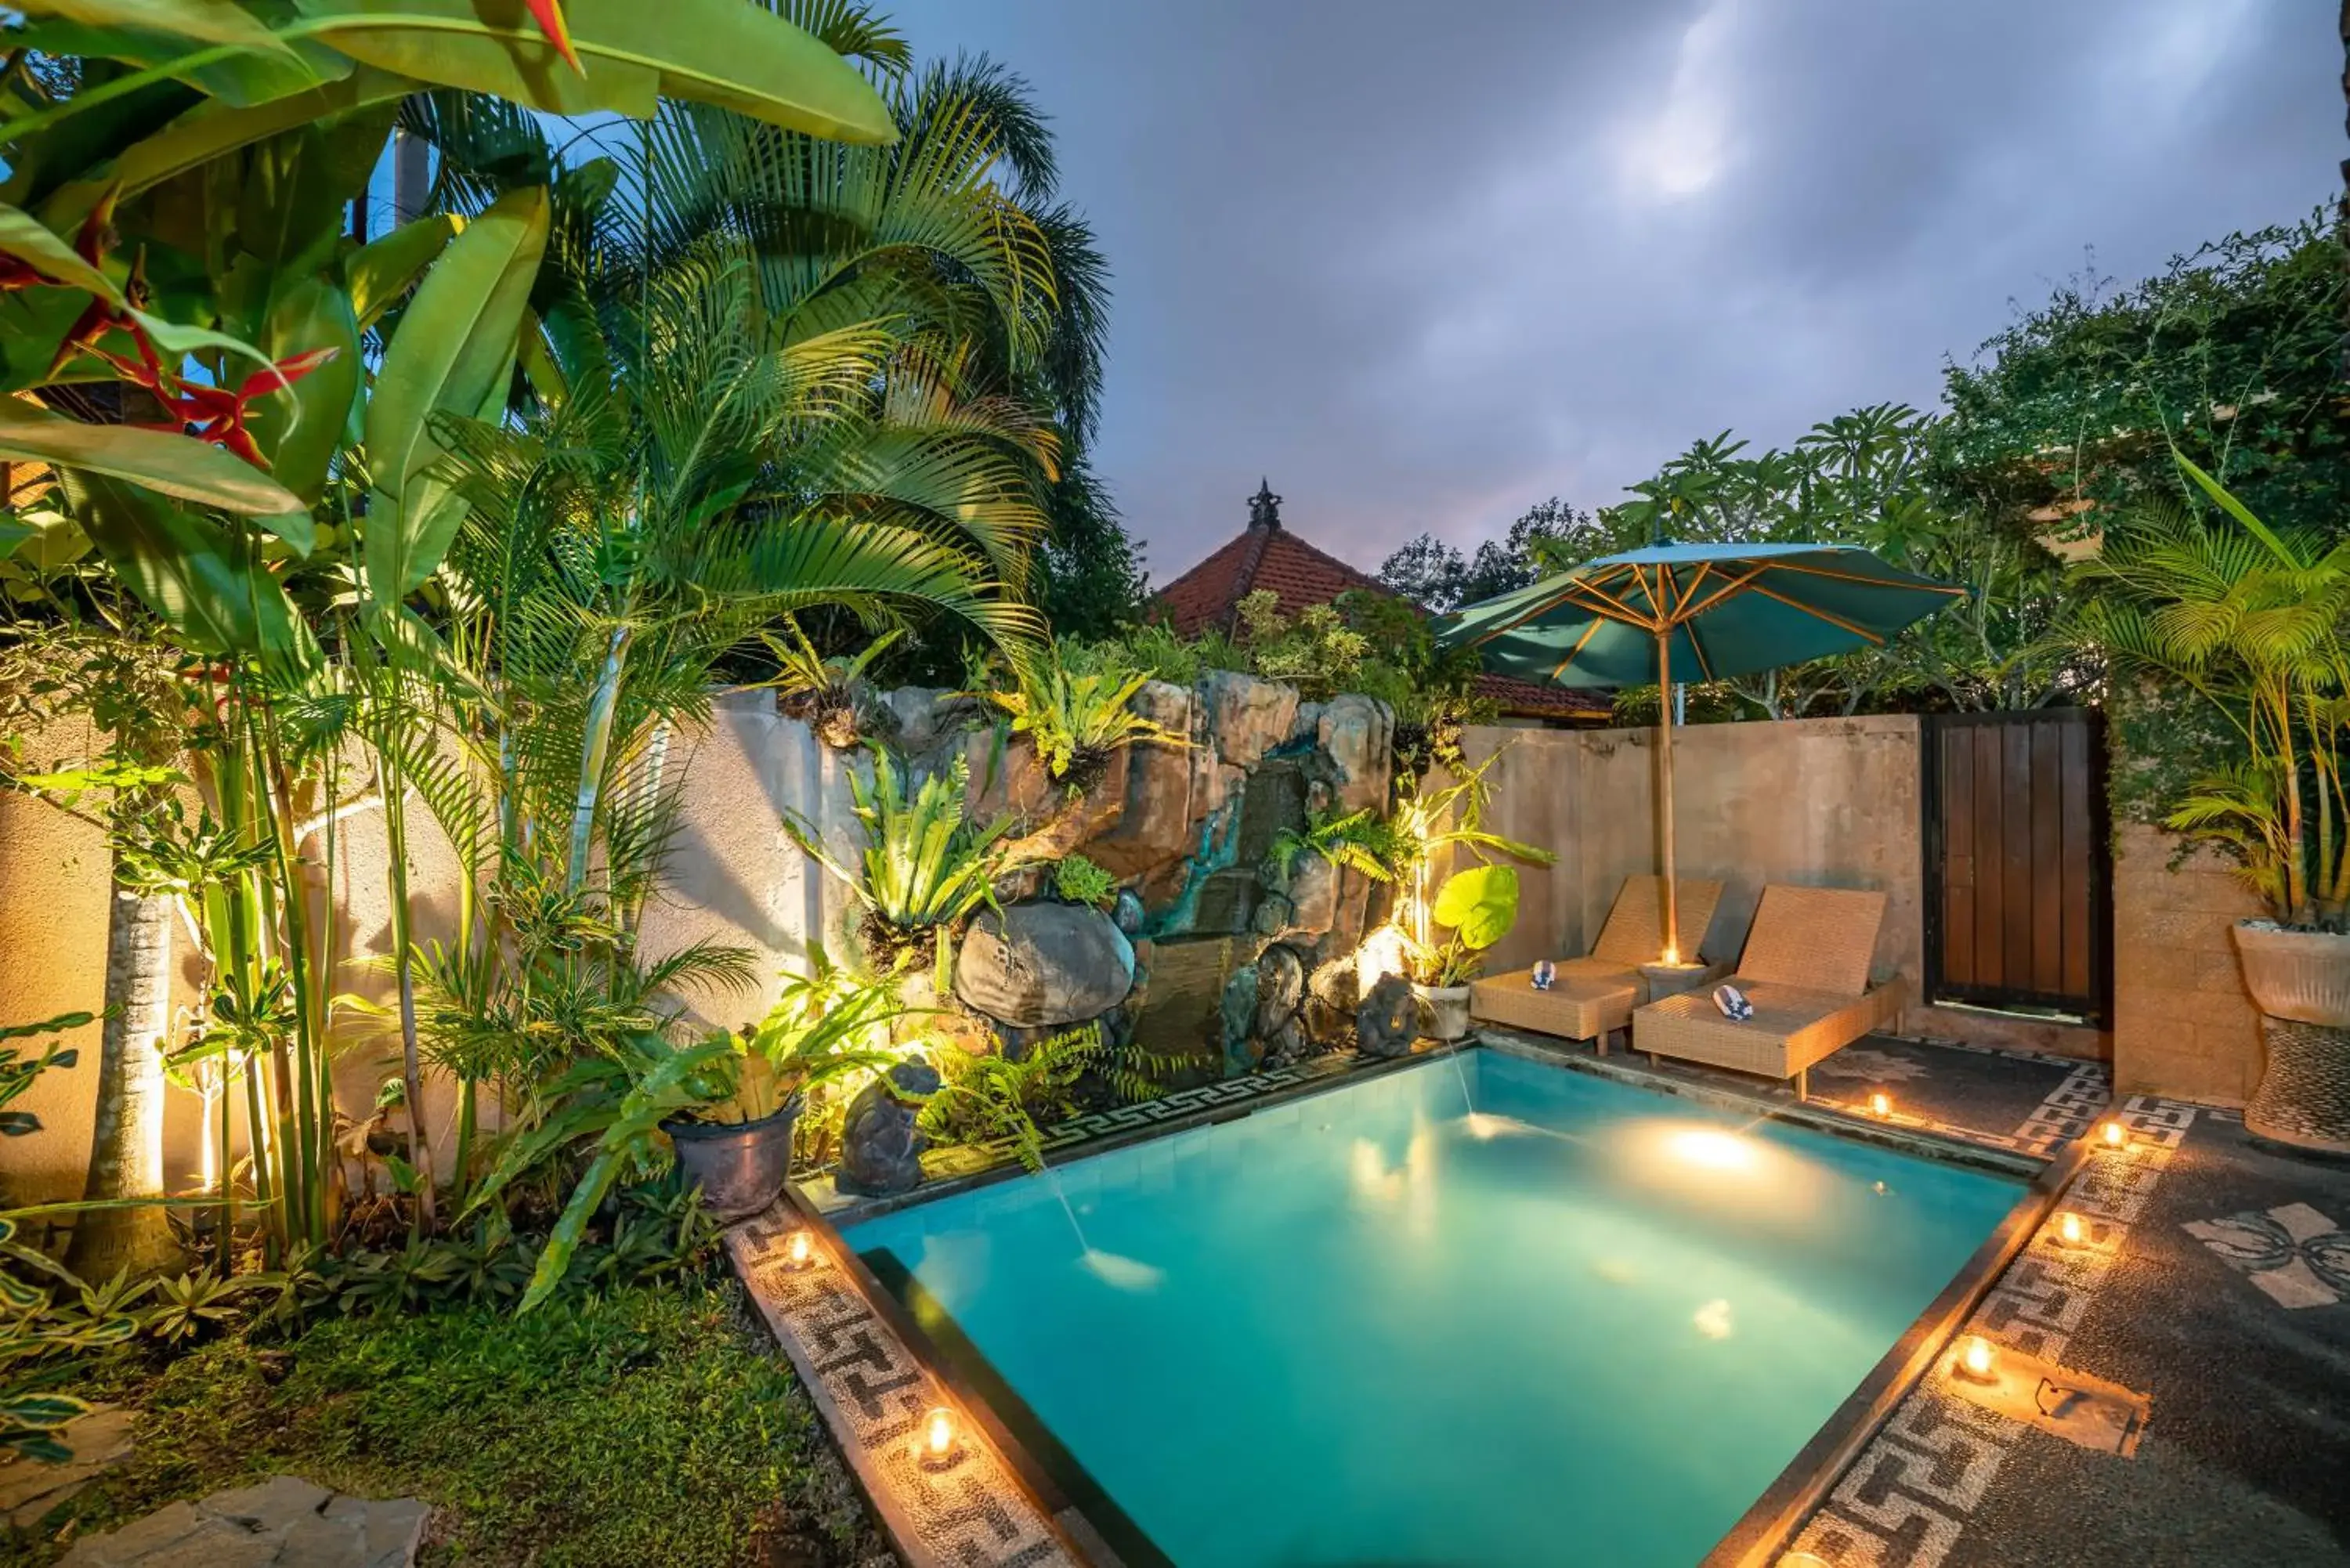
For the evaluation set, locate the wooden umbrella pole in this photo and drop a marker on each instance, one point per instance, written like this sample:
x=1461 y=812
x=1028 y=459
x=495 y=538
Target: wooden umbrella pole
x=1665 y=788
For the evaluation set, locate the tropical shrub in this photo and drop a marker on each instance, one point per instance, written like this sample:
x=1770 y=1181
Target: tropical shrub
x=1360 y=841
x=1078 y=717
x=923 y=871
x=1446 y=925
x=826 y=1026
x=2250 y=619
x=1077 y=880
x=827 y=694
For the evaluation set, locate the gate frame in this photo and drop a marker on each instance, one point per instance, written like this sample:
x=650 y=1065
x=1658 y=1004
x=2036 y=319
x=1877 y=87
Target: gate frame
x=2099 y=1009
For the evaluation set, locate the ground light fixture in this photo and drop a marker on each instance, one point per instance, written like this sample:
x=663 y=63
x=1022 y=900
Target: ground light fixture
x=2070 y=1230
x=936 y=1444
x=1880 y=1104
x=1977 y=1361
x=799 y=1253
x=2112 y=1134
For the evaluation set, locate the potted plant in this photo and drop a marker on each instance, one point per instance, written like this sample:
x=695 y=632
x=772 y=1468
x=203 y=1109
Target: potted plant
x=737 y=1144
x=1477 y=904
x=2252 y=621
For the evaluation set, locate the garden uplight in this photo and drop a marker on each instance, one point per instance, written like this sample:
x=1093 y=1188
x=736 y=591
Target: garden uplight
x=2114 y=1136
x=1976 y=1359
x=800 y=1253
x=1880 y=1104
x=2069 y=1230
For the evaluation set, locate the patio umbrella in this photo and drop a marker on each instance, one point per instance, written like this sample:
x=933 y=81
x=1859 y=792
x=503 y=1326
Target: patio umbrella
x=1714 y=610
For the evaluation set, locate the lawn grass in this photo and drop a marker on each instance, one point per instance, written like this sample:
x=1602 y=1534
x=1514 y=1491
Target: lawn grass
x=654 y=1425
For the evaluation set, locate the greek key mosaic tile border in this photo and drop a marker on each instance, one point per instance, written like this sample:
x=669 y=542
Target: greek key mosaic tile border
x=968 y=1513
x=2064 y=1116
x=1905 y=1501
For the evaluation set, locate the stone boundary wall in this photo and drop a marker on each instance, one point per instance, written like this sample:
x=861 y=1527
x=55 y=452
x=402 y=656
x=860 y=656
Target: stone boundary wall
x=1820 y=801
x=2183 y=1026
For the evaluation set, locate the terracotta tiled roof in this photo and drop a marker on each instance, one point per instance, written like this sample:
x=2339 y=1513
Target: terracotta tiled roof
x=1208 y=595
x=1537 y=700
x=1298 y=574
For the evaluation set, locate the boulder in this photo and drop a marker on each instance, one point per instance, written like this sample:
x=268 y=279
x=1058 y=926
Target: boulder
x=1245 y=717
x=1313 y=894
x=1332 y=994
x=880 y=1147
x=1243 y=1049
x=1280 y=988
x=1126 y=913
x=1155 y=828
x=1359 y=735
x=1039 y=966
x=1388 y=1020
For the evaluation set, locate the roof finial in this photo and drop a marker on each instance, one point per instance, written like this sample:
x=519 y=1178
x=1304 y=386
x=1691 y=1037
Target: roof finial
x=1265 y=506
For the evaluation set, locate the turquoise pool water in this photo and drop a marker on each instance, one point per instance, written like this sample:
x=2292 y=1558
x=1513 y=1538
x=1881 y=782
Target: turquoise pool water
x=1586 y=1325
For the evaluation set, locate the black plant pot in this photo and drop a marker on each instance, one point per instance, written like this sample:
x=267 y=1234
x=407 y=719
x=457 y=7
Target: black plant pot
x=741 y=1167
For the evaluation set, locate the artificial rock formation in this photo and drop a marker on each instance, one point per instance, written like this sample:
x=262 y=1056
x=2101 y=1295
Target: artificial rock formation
x=880 y=1147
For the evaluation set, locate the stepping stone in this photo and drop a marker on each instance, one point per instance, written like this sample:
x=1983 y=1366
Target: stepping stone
x=29 y=1488
x=283 y=1522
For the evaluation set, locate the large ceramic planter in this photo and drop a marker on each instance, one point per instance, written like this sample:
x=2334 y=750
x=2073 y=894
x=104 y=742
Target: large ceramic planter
x=1446 y=1008
x=739 y=1166
x=2301 y=982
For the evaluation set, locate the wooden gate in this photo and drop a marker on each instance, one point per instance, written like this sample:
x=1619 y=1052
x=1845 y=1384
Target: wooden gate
x=2018 y=878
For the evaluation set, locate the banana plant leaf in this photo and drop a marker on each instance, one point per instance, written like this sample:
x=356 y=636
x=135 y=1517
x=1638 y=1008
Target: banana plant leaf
x=189 y=571
x=630 y=52
x=454 y=346
x=175 y=464
x=204 y=21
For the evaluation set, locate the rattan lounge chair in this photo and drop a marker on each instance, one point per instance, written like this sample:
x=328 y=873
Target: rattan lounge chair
x=1593 y=996
x=1806 y=970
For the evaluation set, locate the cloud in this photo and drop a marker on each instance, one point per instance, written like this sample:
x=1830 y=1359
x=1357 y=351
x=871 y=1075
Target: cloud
x=1425 y=267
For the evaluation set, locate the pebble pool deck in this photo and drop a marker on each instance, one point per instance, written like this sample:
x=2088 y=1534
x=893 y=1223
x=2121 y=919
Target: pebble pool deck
x=2227 y=1299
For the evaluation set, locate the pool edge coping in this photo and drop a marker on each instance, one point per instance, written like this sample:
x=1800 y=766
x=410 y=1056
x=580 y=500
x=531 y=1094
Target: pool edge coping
x=1776 y=1517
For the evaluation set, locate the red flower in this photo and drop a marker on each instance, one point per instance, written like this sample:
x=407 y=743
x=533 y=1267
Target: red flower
x=102 y=315
x=217 y=415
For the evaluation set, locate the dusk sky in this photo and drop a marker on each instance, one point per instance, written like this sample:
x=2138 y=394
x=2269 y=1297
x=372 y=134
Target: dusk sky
x=1425 y=265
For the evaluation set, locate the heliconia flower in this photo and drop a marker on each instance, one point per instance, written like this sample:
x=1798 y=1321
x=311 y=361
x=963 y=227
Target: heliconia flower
x=217 y=415
x=101 y=317
x=549 y=16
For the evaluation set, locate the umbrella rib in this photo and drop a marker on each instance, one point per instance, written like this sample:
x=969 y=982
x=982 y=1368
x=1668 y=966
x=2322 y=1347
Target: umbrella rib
x=1704 y=665
x=1837 y=622
x=1725 y=591
x=1576 y=651
x=1564 y=595
x=1608 y=605
x=1856 y=578
x=1681 y=601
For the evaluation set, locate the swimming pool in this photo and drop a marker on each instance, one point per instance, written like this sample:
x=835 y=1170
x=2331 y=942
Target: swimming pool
x=1586 y=1323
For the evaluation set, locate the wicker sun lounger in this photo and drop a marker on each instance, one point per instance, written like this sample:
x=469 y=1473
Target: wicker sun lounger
x=1595 y=995
x=1806 y=970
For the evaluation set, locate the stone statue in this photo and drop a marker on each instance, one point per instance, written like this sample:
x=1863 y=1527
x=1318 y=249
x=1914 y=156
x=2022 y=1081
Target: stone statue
x=881 y=1148
x=1265 y=506
x=1388 y=1020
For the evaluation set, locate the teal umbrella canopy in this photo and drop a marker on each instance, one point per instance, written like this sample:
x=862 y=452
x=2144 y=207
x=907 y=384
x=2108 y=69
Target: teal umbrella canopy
x=1692 y=612
x=1720 y=610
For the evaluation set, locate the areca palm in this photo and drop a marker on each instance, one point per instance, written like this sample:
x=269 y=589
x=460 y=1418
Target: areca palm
x=2254 y=621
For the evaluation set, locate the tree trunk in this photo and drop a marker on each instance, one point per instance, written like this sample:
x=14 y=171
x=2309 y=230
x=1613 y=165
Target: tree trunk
x=412 y=176
x=126 y=1148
